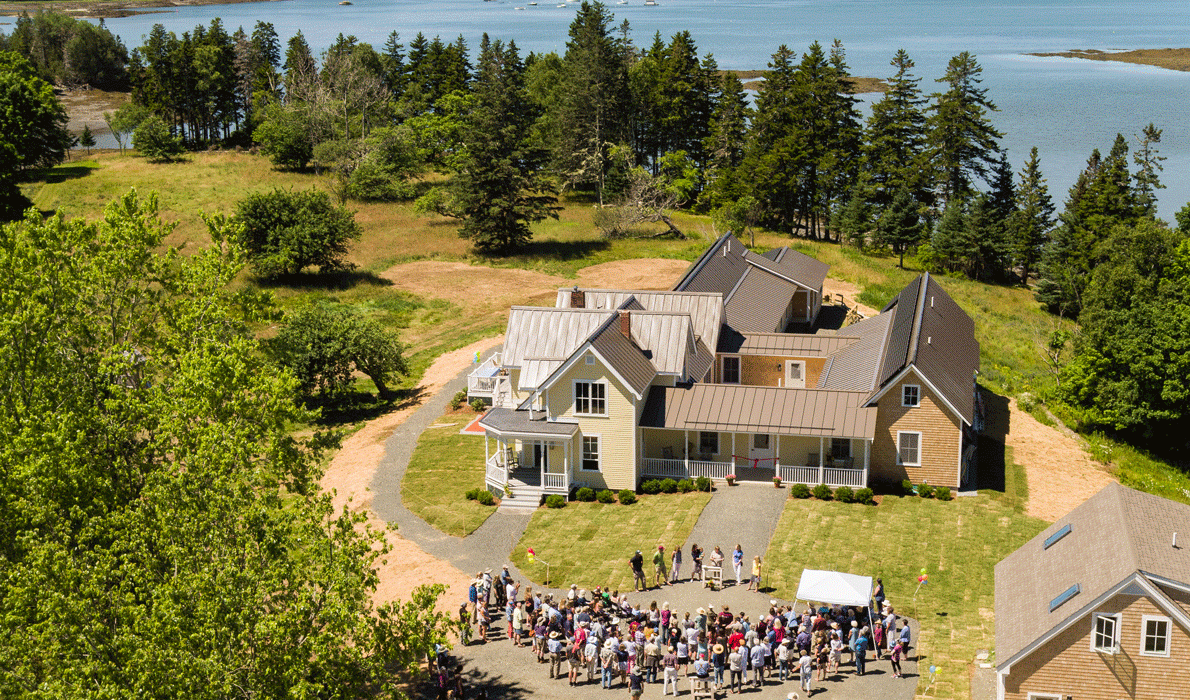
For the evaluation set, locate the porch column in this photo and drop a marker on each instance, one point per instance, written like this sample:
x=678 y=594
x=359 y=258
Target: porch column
x=486 y=455
x=545 y=458
x=566 y=465
x=821 y=461
x=686 y=451
x=777 y=456
x=809 y=304
x=733 y=453
x=867 y=450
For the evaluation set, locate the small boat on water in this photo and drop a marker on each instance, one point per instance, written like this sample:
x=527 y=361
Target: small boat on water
x=518 y=8
x=650 y=2
x=345 y=2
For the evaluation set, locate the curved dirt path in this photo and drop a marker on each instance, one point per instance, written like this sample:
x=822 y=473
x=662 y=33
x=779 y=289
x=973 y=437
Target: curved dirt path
x=1060 y=473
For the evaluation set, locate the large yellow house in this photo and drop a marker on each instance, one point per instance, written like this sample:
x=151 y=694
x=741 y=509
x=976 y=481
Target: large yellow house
x=610 y=387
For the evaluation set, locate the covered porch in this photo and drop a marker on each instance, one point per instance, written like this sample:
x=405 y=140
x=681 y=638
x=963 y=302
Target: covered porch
x=525 y=453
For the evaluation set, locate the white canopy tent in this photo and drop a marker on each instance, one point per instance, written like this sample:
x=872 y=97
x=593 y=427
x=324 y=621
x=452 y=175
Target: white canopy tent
x=835 y=588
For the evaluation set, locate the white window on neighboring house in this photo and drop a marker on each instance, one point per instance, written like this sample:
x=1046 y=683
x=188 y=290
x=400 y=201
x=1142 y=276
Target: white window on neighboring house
x=730 y=372
x=590 y=398
x=1105 y=632
x=909 y=448
x=910 y=395
x=1155 y=630
x=591 y=454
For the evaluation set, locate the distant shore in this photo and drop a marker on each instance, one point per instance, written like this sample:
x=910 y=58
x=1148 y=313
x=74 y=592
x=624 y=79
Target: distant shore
x=107 y=9
x=1170 y=59
x=752 y=81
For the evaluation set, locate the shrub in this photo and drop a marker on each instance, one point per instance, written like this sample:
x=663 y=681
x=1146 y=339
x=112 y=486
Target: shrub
x=555 y=500
x=458 y=400
x=942 y=493
x=585 y=494
x=472 y=494
x=907 y=487
x=702 y=483
x=669 y=486
x=865 y=496
x=478 y=405
x=154 y=141
x=324 y=346
x=651 y=487
x=627 y=497
x=486 y=498
x=685 y=486
x=605 y=496
x=799 y=491
x=925 y=491
x=285 y=231
x=822 y=492
x=844 y=494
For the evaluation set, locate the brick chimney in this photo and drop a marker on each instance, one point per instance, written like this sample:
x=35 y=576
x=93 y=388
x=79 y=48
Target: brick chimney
x=626 y=323
x=578 y=299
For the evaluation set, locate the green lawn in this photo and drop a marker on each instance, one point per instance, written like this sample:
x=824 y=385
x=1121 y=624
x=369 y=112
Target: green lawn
x=957 y=542
x=590 y=543
x=444 y=466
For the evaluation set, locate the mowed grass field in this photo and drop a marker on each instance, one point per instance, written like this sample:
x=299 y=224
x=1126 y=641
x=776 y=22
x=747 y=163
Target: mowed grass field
x=443 y=467
x=590 y=543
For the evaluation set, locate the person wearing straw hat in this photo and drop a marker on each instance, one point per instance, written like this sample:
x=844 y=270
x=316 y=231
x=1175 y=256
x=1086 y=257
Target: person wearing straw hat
x=806 y=671
x=718 y=662
x=555 y=645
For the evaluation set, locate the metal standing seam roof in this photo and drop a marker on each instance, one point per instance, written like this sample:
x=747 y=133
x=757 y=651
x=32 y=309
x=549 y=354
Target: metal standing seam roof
x=1114 y=534
x=784 y=344
x=799 y=267
x=757 y=409
x=758 y=303
x=705 y=308
x=666 y=338
x=856 y=367
x=624 y=356
x=545 y=333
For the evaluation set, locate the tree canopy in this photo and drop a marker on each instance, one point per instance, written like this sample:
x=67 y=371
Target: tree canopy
x=284 y=231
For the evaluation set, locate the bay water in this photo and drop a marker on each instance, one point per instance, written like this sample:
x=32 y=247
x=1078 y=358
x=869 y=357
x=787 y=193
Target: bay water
x=1065 y=107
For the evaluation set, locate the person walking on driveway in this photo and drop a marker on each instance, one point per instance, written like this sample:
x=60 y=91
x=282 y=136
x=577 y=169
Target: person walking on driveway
x=737 y=562
x=675 y=565
x=669 y=665
x=659 y=576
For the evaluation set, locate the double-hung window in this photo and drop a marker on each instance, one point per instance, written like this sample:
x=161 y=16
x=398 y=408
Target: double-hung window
x=909 y=449
x=708 y=443
x=591 y=452
x=1105 y=633
x=590 y=398
x=910 y=395
x=730 y=370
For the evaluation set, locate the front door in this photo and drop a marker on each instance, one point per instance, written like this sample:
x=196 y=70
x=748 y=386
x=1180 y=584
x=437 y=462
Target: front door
x=540 y=456
x=795 y=374
x=761 y=448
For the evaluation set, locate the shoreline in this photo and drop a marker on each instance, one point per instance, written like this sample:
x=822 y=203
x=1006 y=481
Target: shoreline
x=108 y=9
x=1168 y=59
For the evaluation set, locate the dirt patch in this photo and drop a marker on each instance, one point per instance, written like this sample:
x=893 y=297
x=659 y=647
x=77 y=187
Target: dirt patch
x=1060 y=473
x=85 y=107
x=849 y=292
x=350 y=472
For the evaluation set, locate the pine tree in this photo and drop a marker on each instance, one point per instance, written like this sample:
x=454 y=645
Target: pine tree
x=900 y=227
x=1148 y=169
x=772 y=156
x=963 y=143
x=894 y=152
x=501 y=187
x=87 y=139
x=1034 y=218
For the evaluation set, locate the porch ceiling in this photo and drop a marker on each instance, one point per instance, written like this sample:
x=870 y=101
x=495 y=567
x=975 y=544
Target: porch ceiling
x=507 y=422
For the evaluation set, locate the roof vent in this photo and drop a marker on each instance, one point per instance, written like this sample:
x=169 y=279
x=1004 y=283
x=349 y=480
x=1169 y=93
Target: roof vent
x=1175 y=541
x=931 y=302
x=929 y=339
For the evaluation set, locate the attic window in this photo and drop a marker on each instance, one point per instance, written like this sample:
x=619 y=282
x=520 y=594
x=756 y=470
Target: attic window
x=1053 y=539
x=589 y=359
x=1066 y=595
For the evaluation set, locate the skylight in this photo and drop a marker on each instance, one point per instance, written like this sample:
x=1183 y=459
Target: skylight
x=1066 y=595
x=1053 y=539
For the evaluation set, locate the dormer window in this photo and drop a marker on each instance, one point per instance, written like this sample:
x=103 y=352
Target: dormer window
x=911 y=395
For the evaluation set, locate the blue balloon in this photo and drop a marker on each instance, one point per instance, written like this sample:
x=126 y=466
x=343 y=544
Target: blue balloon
x=933 y=668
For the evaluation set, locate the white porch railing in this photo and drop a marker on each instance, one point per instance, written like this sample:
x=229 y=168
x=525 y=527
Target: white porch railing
x=712 y=470
x=495 y=473
x=555 y=482
x=855 y=478
x=799 y=475
x=831 y=476
x=676 y=468
x=483 y=380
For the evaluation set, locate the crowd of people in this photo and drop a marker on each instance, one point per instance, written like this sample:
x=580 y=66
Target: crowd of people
x=600 y=636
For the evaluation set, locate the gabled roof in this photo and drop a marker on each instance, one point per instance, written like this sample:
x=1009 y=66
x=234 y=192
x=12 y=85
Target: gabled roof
x=624 y=357
x=930 y=332
x=758 y=303
x=856 y=367
x=543 y=333
x=666 y=339
x=1114 y=535
x=760 y=409
x=795 y=265
x=705 y=309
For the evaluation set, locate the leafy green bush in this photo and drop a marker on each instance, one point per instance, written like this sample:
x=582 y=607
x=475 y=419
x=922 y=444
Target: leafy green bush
x=458 y=400
x=685 y=486
x=669 y=486
x=605 y=496
x=703 y=483
x=907 y=487
x=486 y=498
x=479 y=405
x=799 y=491
x=942 y=493
x=844 y=494
x=627 y=497
x=155 y=142
x=822 y=492
x=473 y=494
x=555 y=501
x=651 y=487
x=865 y=496
x=925 y=491
x=286 y=231
x=585 y=494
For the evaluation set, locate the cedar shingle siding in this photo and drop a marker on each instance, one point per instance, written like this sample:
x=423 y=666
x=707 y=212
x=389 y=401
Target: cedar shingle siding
x=941 y=436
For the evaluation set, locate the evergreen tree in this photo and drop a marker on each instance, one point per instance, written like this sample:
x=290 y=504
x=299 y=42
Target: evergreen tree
x=772 y=156
x=393 y=59
x=987 y=253
x=501 y=188
x=1034 y=218
x=900 y=227
x=726 y=143
x=1148 y=169
x=896 y=138
x=87 y=139
x=963 y=142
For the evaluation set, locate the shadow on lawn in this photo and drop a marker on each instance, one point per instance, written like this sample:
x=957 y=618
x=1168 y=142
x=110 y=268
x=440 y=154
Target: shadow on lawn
x=338 y=280
x=359 y=406
x=558 y=250
x=497 y=686
x=62 y=173
x=990 y=472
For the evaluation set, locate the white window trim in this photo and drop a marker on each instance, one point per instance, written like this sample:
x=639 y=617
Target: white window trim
x=919 y=448
x=709 y=432
x=1144 y=624
x=1115 y=632
x=723 y=367
x=910 y=405
x=1045 y=696
x=598 y=455
x=606 y=399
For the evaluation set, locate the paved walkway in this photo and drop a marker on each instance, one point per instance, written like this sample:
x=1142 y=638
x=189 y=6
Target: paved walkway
x=746 y=514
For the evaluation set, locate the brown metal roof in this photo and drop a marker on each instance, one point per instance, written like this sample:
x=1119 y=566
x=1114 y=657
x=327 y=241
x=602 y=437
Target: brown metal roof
x=799 y=267
x=857 y=366
x=1114 y=534
x=783 y=344
x=757 y=409
x=505 y=421
x=758 y=303
x=624 y=356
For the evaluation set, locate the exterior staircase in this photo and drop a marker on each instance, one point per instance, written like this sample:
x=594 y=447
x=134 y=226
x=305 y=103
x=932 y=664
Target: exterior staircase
x=526 y=491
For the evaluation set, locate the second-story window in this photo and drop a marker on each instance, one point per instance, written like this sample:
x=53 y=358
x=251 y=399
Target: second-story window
x=590 y=398
x=731 y=370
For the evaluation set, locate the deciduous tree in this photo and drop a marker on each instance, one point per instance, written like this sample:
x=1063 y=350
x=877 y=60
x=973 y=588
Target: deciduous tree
x=285 y=231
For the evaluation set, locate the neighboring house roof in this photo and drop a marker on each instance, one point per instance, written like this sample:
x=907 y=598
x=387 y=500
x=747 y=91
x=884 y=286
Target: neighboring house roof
x=930 y=332
x=856 y=367
x=1117 y=534
x=505 y=421
x=783 y=344
x=799 y=266
x=705 y=308
x=757 y=409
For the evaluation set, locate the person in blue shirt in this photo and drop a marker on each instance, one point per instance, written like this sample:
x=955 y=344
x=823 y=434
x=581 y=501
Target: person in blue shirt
x=905 y=637
x=861 y=650
x=737 y=562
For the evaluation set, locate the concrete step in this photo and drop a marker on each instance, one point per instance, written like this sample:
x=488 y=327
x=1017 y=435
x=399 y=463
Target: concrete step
x=523 y=498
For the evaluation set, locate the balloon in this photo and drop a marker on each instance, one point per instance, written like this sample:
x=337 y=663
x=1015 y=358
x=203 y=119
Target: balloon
x=923 y=569
x=530 y=555
x=933 y=668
